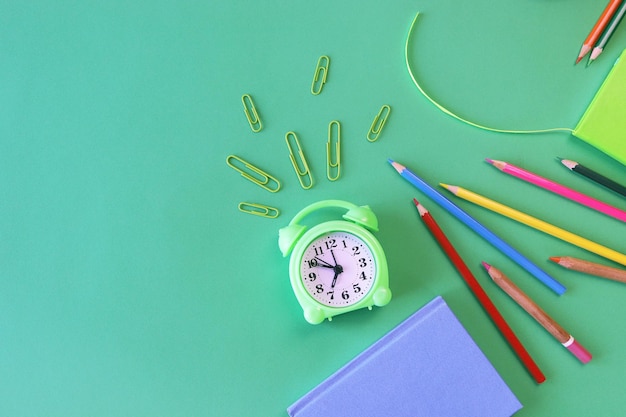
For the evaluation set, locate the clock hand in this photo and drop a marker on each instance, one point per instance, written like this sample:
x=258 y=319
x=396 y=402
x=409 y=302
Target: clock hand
x=324 y=263
x=338 y=270
x=333 y=253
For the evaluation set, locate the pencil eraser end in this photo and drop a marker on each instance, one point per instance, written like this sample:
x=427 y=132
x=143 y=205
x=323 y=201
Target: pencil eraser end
x=580 y=352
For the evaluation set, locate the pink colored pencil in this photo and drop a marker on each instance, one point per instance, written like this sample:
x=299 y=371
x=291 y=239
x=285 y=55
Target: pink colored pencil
x=559 y=189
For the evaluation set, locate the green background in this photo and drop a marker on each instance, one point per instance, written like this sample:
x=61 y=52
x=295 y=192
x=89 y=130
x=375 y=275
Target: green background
x=130 y=284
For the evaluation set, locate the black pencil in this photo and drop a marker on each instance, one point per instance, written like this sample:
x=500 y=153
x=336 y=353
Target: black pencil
x=594 y=176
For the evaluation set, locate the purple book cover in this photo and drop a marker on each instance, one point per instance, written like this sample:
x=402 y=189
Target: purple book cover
x=426 y=366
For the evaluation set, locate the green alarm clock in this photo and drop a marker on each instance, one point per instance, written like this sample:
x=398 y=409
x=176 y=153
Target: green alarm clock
x=336 y=266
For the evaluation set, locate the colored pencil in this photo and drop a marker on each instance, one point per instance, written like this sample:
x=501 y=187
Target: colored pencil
x=477 y=227
x=590 y=268
x=547 y=322
x=593 y=175
x=597 y=29
x=480 y=294
x=559 y=189
x=533 y=222
x=610 y=30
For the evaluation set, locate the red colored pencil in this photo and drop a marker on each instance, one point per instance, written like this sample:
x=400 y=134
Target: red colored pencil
x=597 y=29
x=480 y=294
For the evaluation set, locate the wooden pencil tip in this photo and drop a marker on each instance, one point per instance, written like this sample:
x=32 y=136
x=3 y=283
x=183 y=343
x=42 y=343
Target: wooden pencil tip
x=486 y=265
x=555 y=259
x=398 y=167
x=489 y=161
x=421 y=209
x=578 y=60
x=569 y=164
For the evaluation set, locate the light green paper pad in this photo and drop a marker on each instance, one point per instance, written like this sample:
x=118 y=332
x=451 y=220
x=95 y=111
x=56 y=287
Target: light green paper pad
x=604 y=123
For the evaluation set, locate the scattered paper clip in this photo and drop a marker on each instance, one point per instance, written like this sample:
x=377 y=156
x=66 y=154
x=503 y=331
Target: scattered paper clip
x=322 y=68
x=251 y=113
x=301 y=166
x=378 y=123
x=259 y=210
x=333 y=164
x=254 y=174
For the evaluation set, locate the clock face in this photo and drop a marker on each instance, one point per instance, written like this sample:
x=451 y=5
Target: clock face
x=338 y=269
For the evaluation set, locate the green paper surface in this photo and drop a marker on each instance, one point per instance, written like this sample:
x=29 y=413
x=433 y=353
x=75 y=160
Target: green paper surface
x=603 y=124
x=131 y=284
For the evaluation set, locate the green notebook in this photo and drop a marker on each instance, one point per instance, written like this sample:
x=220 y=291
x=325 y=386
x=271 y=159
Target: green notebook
x=604 y=123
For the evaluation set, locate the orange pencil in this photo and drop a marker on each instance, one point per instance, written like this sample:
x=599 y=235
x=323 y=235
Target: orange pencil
x=595 y=33
x=591 y=268
x=547 y=322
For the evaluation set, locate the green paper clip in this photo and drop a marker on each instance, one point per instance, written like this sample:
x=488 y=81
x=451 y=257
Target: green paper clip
x=336 y=163
x=378 y=123
x=259 y=210
x=254 y=174
x=322 y=68
x=304 y=172
x=251 y=113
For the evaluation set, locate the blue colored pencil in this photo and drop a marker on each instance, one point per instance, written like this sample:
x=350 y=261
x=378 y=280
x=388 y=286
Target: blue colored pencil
x=488 y=235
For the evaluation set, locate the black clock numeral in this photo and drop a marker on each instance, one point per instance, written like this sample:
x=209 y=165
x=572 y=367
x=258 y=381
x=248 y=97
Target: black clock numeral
x=332 y=294
x=331 y=243
x=318 y=251
x=319 y=288
x=312 y=263
x=345 y=295
x=356 y=251
x=362 y=275
x=356 y=288
x=362 y=263
x=312 y=276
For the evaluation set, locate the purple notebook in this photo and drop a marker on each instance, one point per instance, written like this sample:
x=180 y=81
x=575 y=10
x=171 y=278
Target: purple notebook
x=427 y=366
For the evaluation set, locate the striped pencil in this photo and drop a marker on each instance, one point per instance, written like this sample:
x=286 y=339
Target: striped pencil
x=590 y=268
x=480 y=294
x=537 y=313
x=594 y=176
x=536 y=223
x=477 y=227
x=597 y=29
x=559 y=189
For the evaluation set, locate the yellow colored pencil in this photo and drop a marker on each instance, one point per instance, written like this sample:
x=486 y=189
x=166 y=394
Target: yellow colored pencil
x=533 y=222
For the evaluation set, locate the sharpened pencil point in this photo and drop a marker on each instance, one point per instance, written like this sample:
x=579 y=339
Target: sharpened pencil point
x=555 y=259
x=486 y=265
x=421 y=209
x=489 y=161
x=398 y=167
x=454 y=189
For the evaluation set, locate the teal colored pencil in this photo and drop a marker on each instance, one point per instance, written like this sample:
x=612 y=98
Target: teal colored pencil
x=473 y=224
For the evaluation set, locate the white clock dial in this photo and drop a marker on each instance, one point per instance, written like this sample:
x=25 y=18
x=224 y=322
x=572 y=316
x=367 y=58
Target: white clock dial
x=338 y=269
